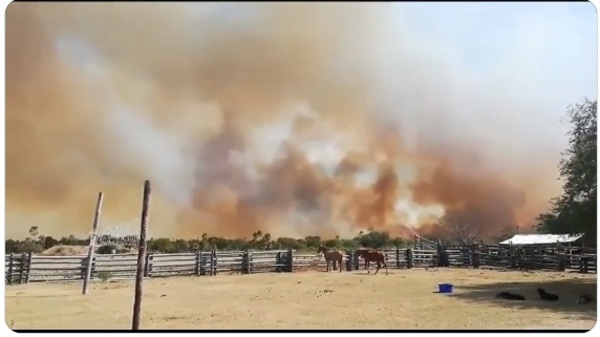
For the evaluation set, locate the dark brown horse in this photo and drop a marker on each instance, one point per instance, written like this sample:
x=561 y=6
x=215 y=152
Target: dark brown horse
x=375 y=256
x=331 y=255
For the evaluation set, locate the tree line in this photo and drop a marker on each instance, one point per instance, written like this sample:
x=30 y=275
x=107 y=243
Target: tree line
x=259 y=241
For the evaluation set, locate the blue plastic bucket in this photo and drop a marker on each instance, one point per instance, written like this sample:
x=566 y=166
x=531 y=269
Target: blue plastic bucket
x=445 y=288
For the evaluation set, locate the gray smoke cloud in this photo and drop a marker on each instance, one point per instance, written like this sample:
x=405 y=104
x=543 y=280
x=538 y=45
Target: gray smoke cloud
x=297 y=119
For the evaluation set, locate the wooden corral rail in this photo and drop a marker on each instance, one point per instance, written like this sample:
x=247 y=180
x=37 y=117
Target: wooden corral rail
x=26 y=268
x=17 y=268
x=36 y=268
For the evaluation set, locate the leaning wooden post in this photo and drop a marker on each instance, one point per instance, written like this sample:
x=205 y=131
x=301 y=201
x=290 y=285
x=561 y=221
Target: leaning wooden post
x=139 y=277
x=90 y=256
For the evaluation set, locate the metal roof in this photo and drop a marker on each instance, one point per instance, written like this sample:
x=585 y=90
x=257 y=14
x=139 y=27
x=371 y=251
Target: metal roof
x=541 y=239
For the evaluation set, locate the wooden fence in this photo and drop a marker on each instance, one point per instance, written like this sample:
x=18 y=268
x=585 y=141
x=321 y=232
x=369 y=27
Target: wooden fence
x=35 y=268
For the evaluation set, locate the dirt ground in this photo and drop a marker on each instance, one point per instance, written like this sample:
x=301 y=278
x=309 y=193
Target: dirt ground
x=404 y=299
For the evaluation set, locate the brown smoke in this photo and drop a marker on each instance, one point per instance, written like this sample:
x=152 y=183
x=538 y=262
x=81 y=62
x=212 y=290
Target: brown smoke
x=181 y=100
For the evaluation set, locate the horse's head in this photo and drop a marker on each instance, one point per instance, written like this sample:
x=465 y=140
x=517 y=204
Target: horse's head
x=321 y=249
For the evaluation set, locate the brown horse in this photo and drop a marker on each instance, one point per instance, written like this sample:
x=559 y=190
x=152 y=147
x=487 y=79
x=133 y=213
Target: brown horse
x=331 y=255
x=375 y=256
x=360 y=252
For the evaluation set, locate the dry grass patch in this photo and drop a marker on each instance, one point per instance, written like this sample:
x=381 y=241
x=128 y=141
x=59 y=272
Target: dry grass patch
x=405 y=299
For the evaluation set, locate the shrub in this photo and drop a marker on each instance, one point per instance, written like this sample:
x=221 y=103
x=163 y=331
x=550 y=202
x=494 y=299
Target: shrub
x=104 y=276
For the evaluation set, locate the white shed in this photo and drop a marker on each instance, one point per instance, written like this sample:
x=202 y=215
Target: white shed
x=541 y=239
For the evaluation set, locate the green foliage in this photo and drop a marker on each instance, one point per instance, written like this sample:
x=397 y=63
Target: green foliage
x=104 y=276
x=332 y=243
x=107 y=249
x=259 y=241
x=313 y=241
x=20 y=247
x=374 y=239
x=349 y=244
x=50 y=242
x=297 y=244
x=575 y=210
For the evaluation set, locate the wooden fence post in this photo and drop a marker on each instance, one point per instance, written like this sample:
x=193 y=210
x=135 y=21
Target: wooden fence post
x=147 y=265
x=150 y=264
x=141 y=262
x=475 y=258
x=203 y=260
x=83 y=267
x=213 y=263
x=84 y=272
x=409 y=258
x=198 y=261
x=290 y=255
x=355 y=263
x=250 y=262
x=9 y=275
x=246 y=262
x=28 y=270
x=278 y=261
x=397 y=257
x=350 y=261
x=22 y=268
x=93 y=267
x=561 y=263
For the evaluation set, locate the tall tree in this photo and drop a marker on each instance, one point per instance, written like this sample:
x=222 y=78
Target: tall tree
x=575 y=210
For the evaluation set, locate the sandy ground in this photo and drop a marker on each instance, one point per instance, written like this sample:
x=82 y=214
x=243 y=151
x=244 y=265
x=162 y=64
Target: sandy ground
x=404 y=299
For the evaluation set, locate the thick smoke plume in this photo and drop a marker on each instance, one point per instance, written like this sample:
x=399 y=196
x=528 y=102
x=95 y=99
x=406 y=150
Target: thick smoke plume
x=297 y=119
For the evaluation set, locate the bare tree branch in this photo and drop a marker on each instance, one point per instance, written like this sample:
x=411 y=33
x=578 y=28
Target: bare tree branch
x=465 y=233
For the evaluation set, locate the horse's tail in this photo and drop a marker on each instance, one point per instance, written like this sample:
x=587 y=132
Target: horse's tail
x=384 y=257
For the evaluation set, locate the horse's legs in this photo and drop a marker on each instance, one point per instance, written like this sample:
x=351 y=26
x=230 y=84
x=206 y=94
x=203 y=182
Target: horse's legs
x=340 y=264
x=378 y=266
x=385 y=265
x=327 y=264
x=367 y=266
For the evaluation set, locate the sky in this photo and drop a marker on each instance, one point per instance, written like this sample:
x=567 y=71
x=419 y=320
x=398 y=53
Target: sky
x=547 y=50
x=292 y=118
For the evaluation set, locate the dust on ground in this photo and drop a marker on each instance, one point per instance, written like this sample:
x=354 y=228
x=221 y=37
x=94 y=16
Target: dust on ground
x=404 y=299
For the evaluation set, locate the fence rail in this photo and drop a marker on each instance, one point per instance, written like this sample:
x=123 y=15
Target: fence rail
x=26 y=268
